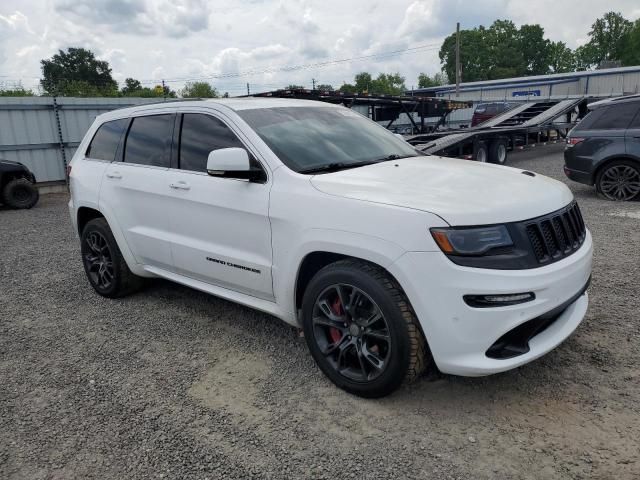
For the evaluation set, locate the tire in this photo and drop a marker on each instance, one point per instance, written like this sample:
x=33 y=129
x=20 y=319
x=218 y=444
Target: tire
x=498 y=152
x=480 y=152
x=20 y=193
x=106 y=268
x=619 y=180
x=354 y=354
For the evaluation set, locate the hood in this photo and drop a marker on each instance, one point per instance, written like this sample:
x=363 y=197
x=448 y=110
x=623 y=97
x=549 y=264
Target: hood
x=9 y=162
x=462 y=192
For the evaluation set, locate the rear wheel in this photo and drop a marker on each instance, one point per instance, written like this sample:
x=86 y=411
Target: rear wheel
x=361 y=330
x=498 y=152
x=480 y=152
x=103 y=262
x=619 y=180
x=20 y=193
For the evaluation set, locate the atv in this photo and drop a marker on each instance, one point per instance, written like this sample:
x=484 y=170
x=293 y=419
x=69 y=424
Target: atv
x=17 y=185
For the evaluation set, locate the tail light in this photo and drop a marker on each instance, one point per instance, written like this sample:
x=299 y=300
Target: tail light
x=573 y=141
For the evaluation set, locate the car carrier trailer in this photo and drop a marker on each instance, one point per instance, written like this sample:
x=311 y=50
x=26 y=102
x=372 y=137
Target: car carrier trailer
x=383 y=108
x=525 y=125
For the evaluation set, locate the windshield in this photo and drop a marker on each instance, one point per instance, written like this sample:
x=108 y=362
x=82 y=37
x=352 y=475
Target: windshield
x=310 y=138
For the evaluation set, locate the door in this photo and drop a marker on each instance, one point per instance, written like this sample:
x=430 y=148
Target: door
x=632 y=136
x=135 y=192
x=221 y=229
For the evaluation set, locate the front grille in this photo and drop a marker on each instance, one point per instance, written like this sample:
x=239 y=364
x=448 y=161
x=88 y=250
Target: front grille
x=557 y=235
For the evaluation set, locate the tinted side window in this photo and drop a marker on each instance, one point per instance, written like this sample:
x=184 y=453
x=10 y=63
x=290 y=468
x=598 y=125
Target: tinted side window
x=200 y=135
x=615 y=116
x=105 y=141
x=149 y=141
x=636 y=121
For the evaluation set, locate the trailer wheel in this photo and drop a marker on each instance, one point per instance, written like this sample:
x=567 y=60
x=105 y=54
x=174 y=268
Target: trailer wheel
x=498 y=151
x=480 y=152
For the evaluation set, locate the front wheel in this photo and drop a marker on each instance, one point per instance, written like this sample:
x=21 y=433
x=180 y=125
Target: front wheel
x=361 y=329
x=619 y=180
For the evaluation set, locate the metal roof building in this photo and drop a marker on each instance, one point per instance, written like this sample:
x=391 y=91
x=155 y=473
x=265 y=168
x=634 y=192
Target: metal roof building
x=611 y=82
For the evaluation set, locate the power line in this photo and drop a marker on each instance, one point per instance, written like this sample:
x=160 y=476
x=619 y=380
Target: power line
x=307 y=66
x=252 y=72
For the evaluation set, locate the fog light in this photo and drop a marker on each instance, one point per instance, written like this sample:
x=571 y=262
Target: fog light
x=500 y=300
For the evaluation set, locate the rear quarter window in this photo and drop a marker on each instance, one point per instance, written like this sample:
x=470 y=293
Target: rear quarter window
x=611 y=117
x=104 y=144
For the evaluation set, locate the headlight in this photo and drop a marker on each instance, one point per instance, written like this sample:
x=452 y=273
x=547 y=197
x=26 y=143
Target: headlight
x=471 y=241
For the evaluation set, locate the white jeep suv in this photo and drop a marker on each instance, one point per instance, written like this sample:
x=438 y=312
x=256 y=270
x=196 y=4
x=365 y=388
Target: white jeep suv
x=391 y=261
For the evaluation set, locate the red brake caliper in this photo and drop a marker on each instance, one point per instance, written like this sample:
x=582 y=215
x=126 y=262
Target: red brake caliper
x=334 y=333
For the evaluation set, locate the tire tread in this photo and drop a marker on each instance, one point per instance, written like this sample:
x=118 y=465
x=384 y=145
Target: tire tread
x=127 y=282
x=419 y=355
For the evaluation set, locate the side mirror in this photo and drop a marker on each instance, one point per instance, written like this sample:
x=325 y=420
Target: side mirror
x=233 y=163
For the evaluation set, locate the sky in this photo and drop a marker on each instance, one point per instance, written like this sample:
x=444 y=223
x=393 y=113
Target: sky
x=178 y=40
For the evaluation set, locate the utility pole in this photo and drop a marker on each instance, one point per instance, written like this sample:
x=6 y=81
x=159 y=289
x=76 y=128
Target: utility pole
x=164 y=91
x=313 y=82
x=248 y=91
x=458 y=59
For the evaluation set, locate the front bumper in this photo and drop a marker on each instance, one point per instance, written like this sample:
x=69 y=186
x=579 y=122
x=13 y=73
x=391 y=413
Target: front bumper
x=459 y=335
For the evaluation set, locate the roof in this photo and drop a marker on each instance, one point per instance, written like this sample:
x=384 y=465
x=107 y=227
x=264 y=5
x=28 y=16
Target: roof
x=534 y=79
x=235 y=104
x=608 y=101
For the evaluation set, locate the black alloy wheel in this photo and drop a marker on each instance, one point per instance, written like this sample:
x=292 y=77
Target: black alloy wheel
x=351 y=332
x=104 y=264
x=98 y=261
x=361 y=329
x=619 y=181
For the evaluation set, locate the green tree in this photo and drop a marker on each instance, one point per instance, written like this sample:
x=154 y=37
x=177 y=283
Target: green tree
x=18 y=91
x=77 y=72
x=505 y=55
x=535 y=49
x=383 y=84
x=363 y=82
x=425 y=80
x=347 y=88
x=561 y=58
x=325 y=87
x=630 y=46
x=474 y=55
x=293 y=86
x=199 y=90
x=388 y=84
x=131 y=85
x=504 y=50
x=606 y=40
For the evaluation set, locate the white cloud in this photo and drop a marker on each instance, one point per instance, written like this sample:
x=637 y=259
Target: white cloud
x=178 y=39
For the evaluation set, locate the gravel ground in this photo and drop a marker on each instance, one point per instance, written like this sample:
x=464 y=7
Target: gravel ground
x=172 y=383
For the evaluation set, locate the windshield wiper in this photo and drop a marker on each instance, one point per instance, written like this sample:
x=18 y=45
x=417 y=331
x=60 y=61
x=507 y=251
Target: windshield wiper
x=393 y=156
x=336 y=166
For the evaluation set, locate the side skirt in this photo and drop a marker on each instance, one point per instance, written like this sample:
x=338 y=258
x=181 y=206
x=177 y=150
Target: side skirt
x=247 y=300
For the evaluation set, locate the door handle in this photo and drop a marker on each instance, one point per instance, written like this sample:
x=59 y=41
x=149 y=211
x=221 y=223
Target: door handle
x=180 y=185
x=114 y=175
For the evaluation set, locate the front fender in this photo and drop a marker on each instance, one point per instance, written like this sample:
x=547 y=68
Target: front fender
x=287 y=264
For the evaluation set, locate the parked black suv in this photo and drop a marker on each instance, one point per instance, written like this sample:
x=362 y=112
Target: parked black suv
x=17 y=189
x=604 y=148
